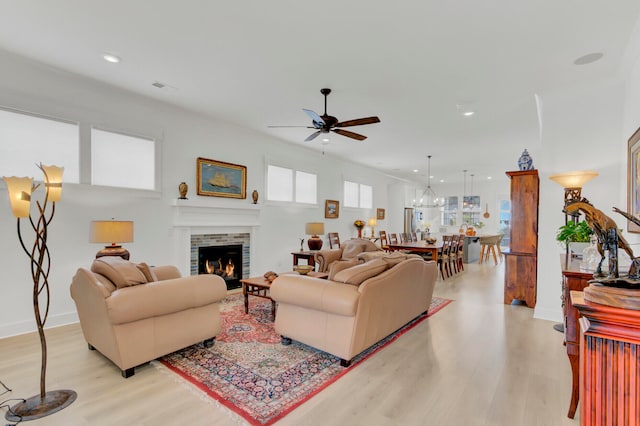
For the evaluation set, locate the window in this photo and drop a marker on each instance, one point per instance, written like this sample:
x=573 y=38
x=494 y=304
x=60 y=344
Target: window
x=28 y=140
x=358 y=195
x=471 y=209
x=281 y=185
x=123 y=161
x=450 y=211
x=505 y=221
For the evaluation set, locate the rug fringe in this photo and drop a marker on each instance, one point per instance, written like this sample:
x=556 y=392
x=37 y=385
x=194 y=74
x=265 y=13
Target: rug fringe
x=202 y=395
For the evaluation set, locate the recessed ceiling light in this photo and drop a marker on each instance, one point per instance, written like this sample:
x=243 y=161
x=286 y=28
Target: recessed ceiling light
x=325 y=140
x=415 y=170
x=430 y=177
x=468 y=113
x=588 y=58
x=441 y=180
x=111 y=58
x=489 y=178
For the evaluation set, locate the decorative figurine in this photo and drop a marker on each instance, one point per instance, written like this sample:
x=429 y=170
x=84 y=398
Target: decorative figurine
x=301 y=242
x=183 y=188
x=525 y=162
x=254 y=195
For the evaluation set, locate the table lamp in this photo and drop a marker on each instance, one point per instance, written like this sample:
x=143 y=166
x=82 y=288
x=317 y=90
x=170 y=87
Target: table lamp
x=113 y=232
x=572 y=182
x=372 y=223
x=314 y=229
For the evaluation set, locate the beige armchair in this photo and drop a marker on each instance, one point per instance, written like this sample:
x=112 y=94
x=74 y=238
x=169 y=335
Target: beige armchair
x=348 y=251
x=133 y=314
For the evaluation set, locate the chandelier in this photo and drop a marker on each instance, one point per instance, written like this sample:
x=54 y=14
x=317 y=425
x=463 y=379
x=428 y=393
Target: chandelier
x=429 y=198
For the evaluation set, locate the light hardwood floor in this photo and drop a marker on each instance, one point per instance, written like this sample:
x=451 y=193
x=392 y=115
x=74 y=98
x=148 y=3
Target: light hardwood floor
x=476 y=362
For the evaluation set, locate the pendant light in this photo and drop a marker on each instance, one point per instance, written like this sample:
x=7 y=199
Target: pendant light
x=429 y=198
x=464 y=190
x=471 y=195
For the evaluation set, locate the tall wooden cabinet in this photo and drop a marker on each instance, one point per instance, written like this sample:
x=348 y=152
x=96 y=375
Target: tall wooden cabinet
x=521 y=260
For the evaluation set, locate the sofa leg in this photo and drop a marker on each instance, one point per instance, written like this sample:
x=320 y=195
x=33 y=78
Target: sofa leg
x=209 y=342
x=345 y=363
x=128 y=372
x=91 y=347
x=285 y=341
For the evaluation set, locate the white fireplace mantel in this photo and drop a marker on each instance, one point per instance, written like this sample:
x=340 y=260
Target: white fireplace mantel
x=195 y=217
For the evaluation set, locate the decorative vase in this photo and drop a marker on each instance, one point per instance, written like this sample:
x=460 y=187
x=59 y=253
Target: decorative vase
x=254 y=196
x=359 y=232
x=183 y=188
x=525 y=162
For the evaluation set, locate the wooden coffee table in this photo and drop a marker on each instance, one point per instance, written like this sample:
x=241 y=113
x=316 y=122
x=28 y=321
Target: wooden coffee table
x=260 y=286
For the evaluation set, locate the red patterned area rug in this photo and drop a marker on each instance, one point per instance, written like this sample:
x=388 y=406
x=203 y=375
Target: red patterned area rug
x=250 y=372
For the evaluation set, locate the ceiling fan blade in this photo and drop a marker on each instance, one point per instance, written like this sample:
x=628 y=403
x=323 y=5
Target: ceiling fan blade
x=349 y=134
x=275 y=127
x=358 y=122
x=318 y=122
x=312 y=136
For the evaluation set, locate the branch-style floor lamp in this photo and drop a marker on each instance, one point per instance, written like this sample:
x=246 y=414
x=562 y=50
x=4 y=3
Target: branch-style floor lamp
x=20 y=191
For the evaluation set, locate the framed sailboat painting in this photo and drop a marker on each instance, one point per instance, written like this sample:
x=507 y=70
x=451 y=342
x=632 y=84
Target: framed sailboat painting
x=220 y=179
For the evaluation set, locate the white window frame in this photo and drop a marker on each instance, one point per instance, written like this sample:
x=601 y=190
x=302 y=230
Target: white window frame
x=362 y=190
x=296 y=192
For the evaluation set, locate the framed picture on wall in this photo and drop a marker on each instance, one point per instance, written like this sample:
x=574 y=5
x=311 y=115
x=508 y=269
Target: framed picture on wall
x=331 y=209
x=380 y=214
x=220 y=179
x=633 y=180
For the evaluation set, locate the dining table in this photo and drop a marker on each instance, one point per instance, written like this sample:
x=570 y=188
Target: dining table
x=419 y=247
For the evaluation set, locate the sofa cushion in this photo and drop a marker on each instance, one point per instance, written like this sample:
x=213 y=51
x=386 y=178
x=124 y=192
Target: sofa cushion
x=350 y=251
x=356 y=275
x=122 y=273
x=340 y=265
x=149 y=275
x=370 y=255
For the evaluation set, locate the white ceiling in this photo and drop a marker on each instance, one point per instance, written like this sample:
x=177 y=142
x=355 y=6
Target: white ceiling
x=258 y=63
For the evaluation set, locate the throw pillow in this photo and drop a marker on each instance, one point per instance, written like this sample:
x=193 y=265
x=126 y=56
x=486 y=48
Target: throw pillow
x=147 y=272
x=356 y=275
x=350 y=251
x=122 y=273
x=340 y=265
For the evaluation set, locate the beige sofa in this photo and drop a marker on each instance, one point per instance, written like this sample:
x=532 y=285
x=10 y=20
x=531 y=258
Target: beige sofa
x=357 y=306
x=348 y=250
x=133 y=314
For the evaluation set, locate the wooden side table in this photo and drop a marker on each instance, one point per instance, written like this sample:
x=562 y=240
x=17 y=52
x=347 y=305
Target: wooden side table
x=609 y=362
x=308 y=255
x=259 y=287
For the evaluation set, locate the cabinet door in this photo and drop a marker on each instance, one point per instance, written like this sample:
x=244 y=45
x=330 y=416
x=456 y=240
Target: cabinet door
x=524 y=212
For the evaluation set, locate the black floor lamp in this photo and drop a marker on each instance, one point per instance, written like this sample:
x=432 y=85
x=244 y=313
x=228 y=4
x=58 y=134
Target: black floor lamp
x=572 y=182
x=20 y=192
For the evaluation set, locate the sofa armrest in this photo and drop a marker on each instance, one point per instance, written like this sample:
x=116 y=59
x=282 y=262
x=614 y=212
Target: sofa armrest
x=158 y=298
x=166 y=272
x=324 y=258
x=315 y=293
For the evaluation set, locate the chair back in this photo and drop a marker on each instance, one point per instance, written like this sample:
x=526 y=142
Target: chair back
x=446 y=245
x=393 y=238
x=384 y=242
x=414 y=237
x=404 y=237
x=460 y=243
x=334 y=240
x=453 y=250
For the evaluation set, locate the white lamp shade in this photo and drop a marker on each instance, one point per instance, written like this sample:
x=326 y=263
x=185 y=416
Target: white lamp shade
x=314 y=228
x=111 y=231
x=575 y=179
x=53 y=181
x=19 y=194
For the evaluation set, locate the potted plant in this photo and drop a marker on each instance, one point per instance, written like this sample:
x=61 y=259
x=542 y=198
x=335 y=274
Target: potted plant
x=574 y=235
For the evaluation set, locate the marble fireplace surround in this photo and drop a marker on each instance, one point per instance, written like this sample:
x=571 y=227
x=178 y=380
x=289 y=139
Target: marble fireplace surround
x=209 y=222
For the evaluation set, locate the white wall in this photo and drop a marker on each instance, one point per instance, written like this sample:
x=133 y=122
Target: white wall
x=183 y=137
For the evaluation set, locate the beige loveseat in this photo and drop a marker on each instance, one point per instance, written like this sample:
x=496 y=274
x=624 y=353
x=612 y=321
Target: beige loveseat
x=348 y=250
x=357 y=306
x=133 y=314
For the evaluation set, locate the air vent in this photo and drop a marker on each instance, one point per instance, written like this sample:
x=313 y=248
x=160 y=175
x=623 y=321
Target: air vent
x=158 y=85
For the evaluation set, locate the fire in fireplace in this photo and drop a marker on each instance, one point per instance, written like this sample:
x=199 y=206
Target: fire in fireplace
x=225 y=261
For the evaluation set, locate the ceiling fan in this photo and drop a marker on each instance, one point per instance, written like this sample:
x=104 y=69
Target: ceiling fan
x=327 y=123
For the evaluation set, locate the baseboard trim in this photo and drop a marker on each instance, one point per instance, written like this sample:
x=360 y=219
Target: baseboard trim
x=29 y=326
x=547 y=314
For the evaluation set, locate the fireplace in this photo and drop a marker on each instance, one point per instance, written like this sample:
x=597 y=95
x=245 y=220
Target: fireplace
x=224 y=261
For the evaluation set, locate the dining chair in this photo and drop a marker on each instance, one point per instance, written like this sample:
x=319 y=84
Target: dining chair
x=393 y=238
x=488 y=247
x=334 y=240
x=443 y=257
x=460 y=256
x=453 y=255
x=384 y=241
x=404 y=237
x=414 y=237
